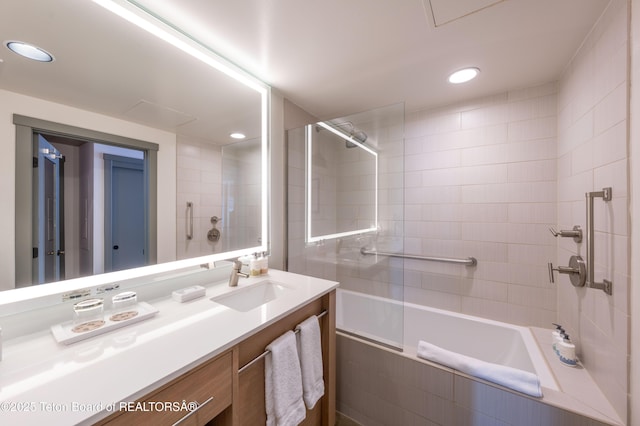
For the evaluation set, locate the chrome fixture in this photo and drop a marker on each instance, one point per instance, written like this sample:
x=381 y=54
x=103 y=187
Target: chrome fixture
x=214 y=233
x=236 y=274
x=576 y=270
x=575 y=233
x=189 y=220
x=354 y=133
x=267 y=351
x=605 y=285
x=469 y=261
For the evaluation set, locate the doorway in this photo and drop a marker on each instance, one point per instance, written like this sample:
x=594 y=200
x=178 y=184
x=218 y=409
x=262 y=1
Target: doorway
x=125 y=228
x=49 y=171
x=73 y=231
x=105 y=233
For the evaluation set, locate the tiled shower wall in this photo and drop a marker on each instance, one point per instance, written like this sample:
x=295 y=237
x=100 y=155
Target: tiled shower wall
x=199 y=180
x=480 y=181
x=593 y=154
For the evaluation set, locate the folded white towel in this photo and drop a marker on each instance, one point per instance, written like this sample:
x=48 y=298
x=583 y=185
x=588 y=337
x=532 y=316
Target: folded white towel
x=311 y=361
x=512 y=378
x=283 y=382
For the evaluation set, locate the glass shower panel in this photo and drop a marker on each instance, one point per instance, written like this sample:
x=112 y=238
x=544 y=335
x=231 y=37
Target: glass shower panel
x=371 y=287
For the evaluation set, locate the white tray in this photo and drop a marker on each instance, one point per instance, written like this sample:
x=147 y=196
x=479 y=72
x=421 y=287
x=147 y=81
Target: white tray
x=64 y=333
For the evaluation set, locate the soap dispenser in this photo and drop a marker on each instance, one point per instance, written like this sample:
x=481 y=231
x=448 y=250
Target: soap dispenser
x=254 y=265
x=557 y=336
x=264 y=263
x=567 y=352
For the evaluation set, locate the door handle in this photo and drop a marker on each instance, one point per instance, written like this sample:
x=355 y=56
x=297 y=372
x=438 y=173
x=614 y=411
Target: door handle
x=60 y=252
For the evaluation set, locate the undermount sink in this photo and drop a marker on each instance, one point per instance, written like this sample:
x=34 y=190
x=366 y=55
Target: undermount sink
x=248 y=298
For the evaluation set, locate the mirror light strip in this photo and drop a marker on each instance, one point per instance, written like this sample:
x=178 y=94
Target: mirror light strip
x=309 y=165
x=38 y=296
x=153 y=25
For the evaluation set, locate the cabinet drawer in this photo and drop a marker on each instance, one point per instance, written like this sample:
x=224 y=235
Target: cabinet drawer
x=212 y=380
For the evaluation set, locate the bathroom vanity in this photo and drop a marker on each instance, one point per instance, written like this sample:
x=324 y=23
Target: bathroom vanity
x=199 y=362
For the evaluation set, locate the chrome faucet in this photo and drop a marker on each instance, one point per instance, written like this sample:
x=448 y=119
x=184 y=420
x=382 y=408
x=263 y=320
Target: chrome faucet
x=235 y=273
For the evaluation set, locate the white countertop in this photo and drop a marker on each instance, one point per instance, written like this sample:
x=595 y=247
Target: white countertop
x=44 y=382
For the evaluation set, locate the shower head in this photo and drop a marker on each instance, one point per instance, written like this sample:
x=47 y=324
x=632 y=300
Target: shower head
x=360 y=136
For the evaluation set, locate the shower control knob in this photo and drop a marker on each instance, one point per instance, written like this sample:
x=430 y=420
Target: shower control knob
x=576 y=270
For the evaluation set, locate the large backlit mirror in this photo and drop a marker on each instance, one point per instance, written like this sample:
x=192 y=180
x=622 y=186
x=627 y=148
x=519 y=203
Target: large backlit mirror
x=123 y=150
x=341 y=181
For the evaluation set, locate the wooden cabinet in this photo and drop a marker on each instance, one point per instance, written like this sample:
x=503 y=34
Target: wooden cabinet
x=208 y=385
x=249 y=405
x=226 y=397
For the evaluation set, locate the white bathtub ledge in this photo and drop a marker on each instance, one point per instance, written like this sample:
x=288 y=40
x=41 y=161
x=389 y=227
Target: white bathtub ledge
x=578 y=391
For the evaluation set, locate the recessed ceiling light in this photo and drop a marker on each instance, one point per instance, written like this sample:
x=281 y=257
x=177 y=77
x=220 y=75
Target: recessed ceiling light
x=463 y=75
x=238 y=135
x=29 y=51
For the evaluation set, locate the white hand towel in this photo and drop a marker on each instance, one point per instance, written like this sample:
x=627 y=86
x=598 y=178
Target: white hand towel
x=311 y=361
x=512 y=378
x=283 y=382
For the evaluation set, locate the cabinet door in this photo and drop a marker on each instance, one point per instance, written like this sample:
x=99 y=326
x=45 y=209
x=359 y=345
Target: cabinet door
x=208 y=386
x=249 y=407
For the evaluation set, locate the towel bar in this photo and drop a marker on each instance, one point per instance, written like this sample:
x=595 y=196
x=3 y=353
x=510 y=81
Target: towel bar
x=263 y=354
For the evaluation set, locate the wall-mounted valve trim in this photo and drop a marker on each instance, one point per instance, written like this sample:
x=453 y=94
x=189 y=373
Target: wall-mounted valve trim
x=575 y=233
x=214 y=233
x=576 y=270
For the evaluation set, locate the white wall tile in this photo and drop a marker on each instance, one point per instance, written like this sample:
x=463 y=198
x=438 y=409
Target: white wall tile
x=593 y=134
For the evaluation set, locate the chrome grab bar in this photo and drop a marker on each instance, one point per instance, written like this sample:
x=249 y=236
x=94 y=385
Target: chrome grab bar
x=469 y=261
x=189 y=220
x=605 y=285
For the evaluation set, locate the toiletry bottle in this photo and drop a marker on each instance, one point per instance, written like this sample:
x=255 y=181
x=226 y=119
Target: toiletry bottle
x=254 y=266
x=245 y=263
x=567 y=352
x=557 y=336
x=264 y=266
x=259 y=262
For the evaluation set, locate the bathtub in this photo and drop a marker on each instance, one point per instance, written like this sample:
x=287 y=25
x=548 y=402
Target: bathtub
x=401 y=325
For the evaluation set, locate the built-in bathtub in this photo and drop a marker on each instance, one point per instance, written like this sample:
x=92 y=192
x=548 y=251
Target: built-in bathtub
x=391 y=322
x=382 y=381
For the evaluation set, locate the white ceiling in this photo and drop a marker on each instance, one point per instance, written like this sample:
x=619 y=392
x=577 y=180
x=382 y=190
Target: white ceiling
x=337 y=57
x=330 y=57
